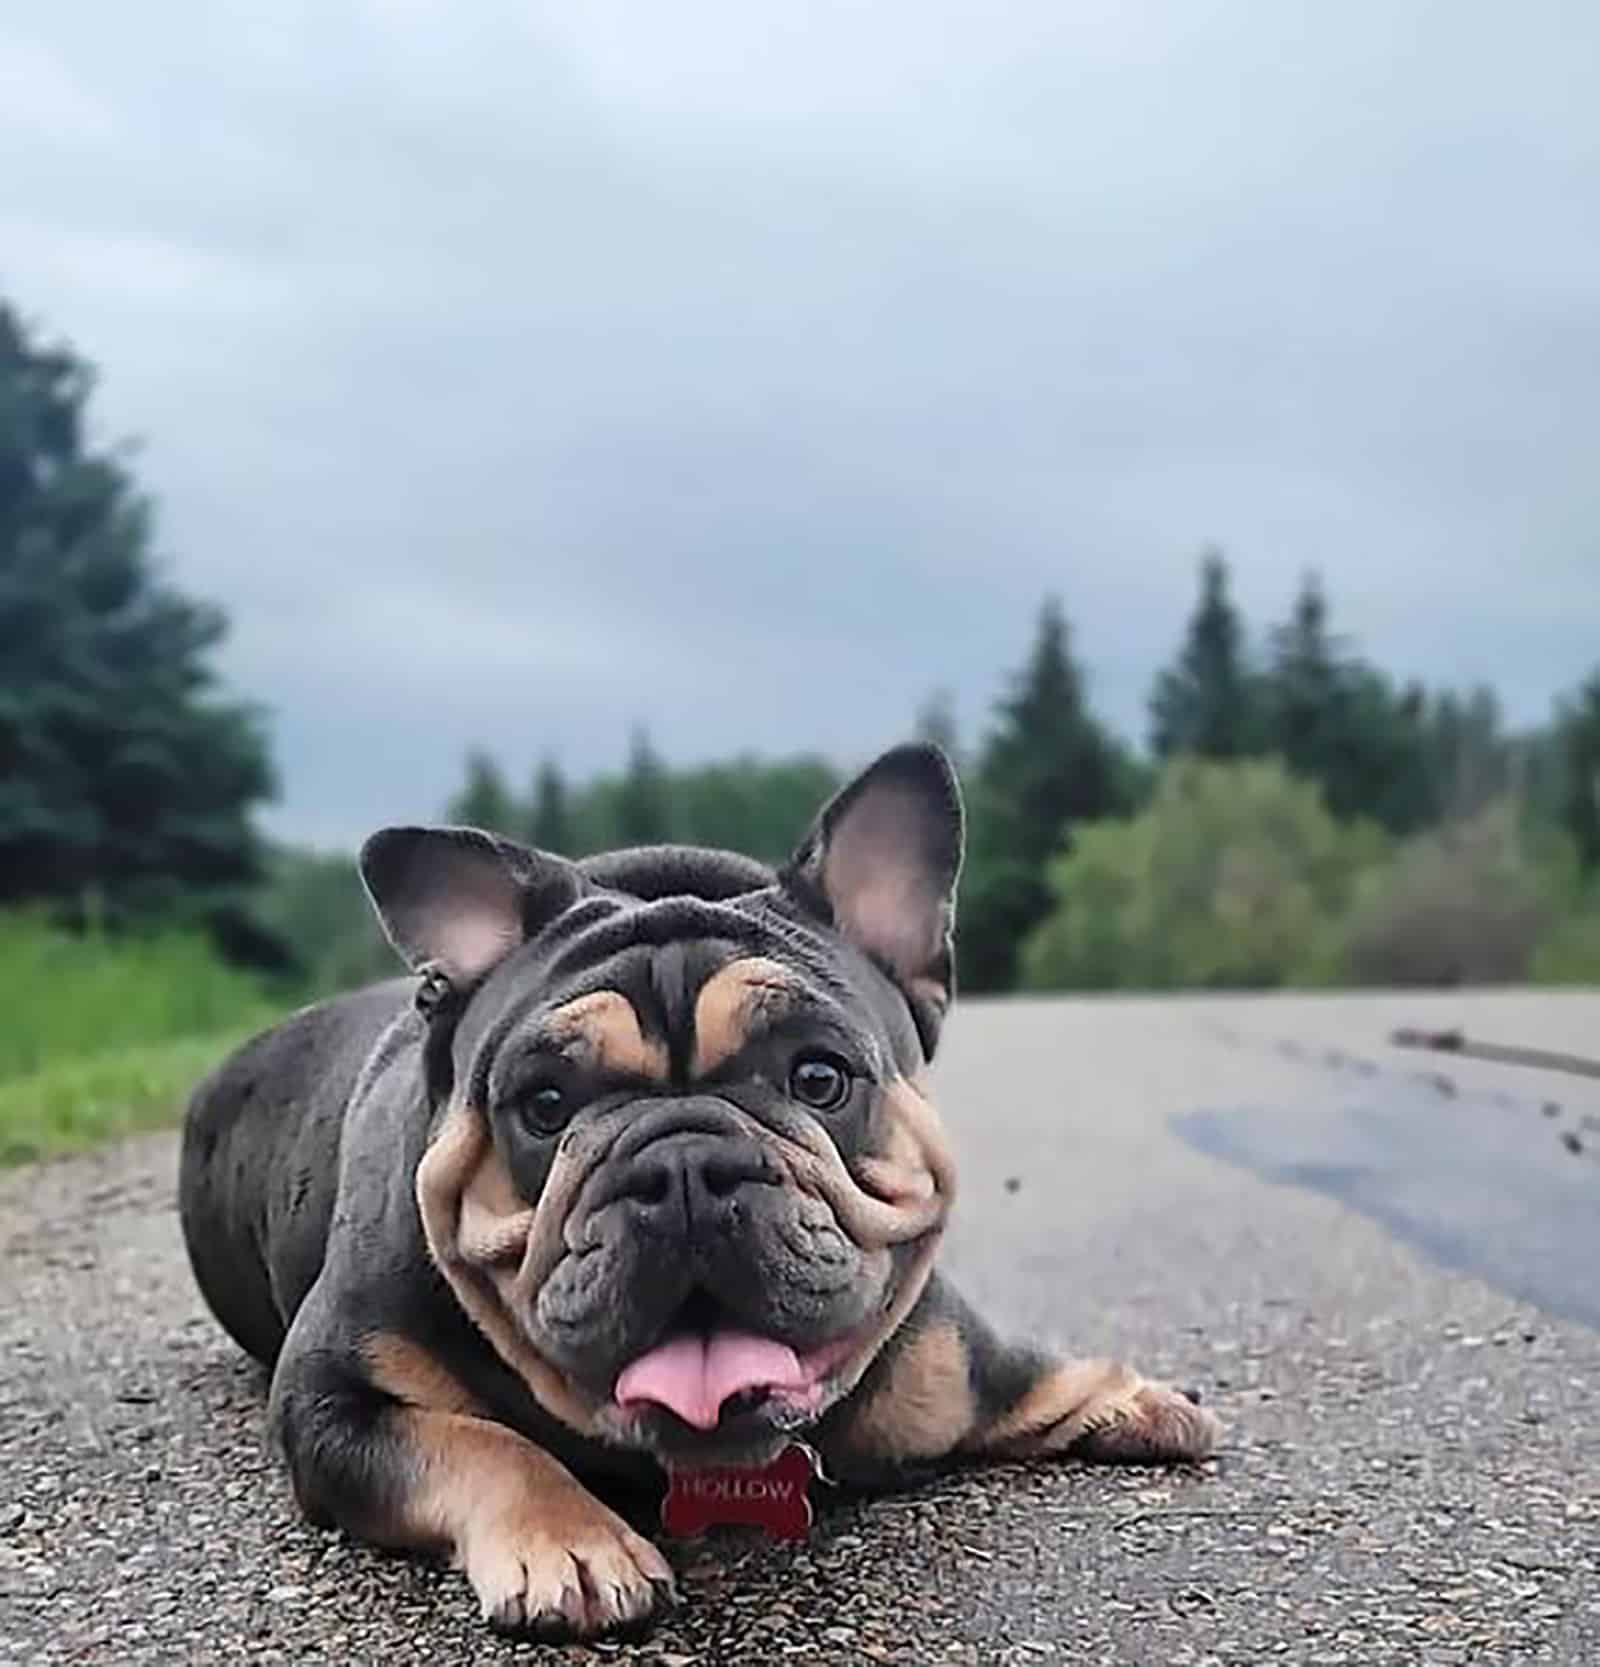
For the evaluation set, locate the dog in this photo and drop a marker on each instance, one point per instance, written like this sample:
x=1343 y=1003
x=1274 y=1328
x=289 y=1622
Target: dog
x=639 y=1171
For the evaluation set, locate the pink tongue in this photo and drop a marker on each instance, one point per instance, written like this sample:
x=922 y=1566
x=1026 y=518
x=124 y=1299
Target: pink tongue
x=693 y=1375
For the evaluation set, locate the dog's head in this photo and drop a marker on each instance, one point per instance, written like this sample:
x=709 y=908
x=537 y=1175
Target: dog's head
x=683 y=1172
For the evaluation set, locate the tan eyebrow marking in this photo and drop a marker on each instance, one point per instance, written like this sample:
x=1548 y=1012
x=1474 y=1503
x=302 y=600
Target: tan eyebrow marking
x=730 y=1000
x=605 y=1026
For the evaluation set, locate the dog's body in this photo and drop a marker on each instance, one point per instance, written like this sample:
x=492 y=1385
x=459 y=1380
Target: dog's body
x=643 y=1174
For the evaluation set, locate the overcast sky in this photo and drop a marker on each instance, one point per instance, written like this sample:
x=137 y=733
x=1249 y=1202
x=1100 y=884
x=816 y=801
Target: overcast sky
x=516 y=372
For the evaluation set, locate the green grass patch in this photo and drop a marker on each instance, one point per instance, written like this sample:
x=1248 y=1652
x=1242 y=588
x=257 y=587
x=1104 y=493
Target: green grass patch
x=81 y=1102
x=68 y=996
x=105 y=1036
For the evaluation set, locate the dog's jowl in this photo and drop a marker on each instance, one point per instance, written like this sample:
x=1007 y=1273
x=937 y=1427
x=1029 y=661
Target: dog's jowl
x=640 y=1171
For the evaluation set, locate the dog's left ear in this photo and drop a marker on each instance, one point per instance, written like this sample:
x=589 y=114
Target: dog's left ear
x=881 y=865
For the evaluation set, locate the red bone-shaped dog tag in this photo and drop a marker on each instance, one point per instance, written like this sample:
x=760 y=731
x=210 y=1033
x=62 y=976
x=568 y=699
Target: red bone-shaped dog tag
x=774 y=1498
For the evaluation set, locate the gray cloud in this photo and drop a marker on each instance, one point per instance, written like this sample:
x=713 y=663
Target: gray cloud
x=513 y=377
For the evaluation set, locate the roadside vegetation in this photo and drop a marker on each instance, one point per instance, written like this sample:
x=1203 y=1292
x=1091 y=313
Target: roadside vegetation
x=106 y=1035
x=1294 y=815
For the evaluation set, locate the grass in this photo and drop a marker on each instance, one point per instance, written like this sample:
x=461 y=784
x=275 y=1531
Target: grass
x=101 y=1037
x=65 y=995
x=82 y=1102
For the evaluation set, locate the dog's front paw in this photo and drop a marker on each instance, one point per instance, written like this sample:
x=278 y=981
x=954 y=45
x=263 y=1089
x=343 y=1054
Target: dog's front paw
x=1152 y=1425
x=1103 y=1412
x=571 y=1571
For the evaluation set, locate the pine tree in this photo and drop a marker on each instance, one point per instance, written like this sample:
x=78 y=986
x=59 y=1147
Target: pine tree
x=936 y=722
x=1307 y=690
x=643 y=803
x=1310 y=703
x=484 y=800
x=1205 y=703
x=1046 y=765
x=126 y=785
x=1578 y=731
x=750 y=805
x=550 y=819
x=1468 y=753
x=1389 y=777
x=1395 y=756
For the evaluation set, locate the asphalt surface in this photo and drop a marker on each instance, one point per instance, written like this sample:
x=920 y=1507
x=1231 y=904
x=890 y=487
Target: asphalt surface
x=1380 y=1267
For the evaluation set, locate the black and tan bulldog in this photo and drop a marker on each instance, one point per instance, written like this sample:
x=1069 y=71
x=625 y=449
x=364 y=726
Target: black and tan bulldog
x=642 y=1171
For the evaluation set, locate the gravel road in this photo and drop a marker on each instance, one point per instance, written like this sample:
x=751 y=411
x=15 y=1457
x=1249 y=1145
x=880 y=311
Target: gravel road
x=1383 y=1269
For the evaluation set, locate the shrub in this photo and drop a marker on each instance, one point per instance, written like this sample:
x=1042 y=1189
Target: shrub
x=1464 y=904
x=314 y=902
x=1234 y=877
x=1569 y=952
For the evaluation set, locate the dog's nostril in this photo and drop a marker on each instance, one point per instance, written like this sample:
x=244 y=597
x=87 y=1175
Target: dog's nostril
x=652 y=1183
x=692 y=1176
x=725 y=1174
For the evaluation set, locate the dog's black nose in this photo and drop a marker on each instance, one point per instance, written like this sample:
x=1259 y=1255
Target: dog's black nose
x=687 y=1183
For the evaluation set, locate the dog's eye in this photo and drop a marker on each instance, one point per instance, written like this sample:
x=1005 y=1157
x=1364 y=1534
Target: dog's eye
x=819 y=1082
x=544 y=1109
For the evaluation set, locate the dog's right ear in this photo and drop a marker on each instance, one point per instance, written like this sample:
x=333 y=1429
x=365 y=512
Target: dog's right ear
x=460 y=900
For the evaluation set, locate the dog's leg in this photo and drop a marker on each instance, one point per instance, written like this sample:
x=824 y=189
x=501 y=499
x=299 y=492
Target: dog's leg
x=1100 y=1411
x=949 y=1388
x=383 y=1441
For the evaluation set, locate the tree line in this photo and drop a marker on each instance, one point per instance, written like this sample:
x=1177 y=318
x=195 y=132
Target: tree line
x=1395 y=759
x=129 y=778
